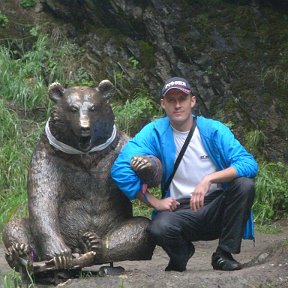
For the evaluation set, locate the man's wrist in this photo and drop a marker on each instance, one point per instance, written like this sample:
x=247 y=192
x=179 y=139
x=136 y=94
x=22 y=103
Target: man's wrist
x=208 y=179
x=145 y=199
x=154 y=202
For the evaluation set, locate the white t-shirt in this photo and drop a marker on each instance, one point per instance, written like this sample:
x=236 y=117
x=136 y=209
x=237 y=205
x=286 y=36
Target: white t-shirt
x=194 y=165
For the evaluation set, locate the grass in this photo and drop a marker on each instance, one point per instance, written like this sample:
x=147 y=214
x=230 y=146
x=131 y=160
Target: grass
x=268 y=229
x=271 y=192
x=276 y=75
x=15 y=154
x=29 y=72
x=26 y=85
x=135 y=113
x=11 y=280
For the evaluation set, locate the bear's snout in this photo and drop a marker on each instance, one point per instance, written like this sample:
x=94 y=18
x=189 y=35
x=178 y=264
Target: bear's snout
x=85 y=131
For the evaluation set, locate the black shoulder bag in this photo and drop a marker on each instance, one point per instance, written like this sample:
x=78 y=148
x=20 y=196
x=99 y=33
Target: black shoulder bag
x=177 y=162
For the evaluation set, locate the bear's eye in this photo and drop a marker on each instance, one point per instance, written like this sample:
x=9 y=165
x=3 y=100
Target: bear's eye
x=92 y=108
x=74 y=109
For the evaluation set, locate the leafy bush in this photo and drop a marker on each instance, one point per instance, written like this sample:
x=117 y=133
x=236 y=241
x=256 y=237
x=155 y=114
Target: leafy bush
x=271 y=192
x=3 y=20
x=134 y=114
x=28 y=3
x=141 y=209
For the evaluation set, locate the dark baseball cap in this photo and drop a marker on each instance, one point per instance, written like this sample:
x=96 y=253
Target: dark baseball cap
x=176 y=83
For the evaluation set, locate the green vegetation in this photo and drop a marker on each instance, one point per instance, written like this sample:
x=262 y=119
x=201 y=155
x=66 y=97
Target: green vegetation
x=272 y=192
x=135 y=113
x=3 y=20
x=23 y=92
x=141 y=209
x=12 y=280
x=28 y=72
x=147 y=53
x=28 y=3
x=268 y=229
x=18 y=140
x=278 y=75
x=254 y=143
x=134 y=62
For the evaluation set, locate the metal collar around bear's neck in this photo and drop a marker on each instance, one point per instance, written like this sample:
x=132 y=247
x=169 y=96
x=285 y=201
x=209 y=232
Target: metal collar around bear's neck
x=71 y=150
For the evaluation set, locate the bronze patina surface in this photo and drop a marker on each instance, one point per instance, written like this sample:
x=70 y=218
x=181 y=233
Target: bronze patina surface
x=74 y=205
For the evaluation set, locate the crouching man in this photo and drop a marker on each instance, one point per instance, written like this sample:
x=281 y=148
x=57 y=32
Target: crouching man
x=212 y=191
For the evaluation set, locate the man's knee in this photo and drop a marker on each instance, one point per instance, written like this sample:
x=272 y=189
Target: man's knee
x=160 y=228
x=245 y=187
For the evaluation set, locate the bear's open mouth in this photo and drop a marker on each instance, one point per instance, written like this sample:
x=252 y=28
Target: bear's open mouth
x=85 y=143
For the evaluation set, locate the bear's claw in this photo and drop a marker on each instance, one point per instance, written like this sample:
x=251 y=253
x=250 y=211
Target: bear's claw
x=92 y=242
x=19 y=255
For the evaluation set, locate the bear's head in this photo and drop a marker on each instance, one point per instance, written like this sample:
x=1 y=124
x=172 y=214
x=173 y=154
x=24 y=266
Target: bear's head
x=82 y=117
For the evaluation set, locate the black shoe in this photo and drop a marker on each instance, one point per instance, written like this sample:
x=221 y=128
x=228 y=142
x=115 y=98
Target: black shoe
x=182 y=267
x=225 y=263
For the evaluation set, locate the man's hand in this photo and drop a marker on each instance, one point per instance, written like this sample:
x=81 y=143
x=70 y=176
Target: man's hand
x=166 y=204
x=197 y=197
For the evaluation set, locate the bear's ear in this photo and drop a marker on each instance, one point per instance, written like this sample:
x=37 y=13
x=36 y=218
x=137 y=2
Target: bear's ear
x=55 y=91
x=106 y=89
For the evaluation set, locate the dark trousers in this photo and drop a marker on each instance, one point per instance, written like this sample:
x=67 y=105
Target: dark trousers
x=223 y=216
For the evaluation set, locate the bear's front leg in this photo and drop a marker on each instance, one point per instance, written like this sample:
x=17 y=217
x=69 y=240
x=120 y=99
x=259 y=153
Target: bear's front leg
x=44 y=202
x=54 y=247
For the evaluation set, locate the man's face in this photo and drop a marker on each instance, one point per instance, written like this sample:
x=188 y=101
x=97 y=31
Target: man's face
x=178 y=107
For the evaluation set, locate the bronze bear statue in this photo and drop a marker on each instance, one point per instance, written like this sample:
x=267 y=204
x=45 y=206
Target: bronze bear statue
x=74 y=205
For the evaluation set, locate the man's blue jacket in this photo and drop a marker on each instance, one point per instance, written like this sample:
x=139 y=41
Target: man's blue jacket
x=156 y=139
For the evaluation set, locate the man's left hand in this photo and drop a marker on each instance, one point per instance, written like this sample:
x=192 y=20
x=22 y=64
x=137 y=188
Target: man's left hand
x=197 y=197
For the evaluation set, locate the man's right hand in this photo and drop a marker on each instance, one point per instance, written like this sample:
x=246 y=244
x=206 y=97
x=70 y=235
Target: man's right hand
x=166 y=204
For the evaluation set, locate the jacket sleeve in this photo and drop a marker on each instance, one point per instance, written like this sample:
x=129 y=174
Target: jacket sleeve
x=144 y=143
x=233 y=154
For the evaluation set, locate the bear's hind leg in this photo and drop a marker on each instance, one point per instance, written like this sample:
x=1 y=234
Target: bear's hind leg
x=129 y=241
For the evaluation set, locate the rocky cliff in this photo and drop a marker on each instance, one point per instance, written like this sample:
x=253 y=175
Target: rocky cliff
x=234 y=53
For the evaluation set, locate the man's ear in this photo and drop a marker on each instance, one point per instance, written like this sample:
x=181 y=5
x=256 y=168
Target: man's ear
x=193 y=101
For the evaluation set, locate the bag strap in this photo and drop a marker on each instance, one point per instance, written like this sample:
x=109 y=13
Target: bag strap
x=180 y=155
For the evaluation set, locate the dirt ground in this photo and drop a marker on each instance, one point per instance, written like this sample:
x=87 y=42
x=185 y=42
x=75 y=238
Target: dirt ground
x=266 y=265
